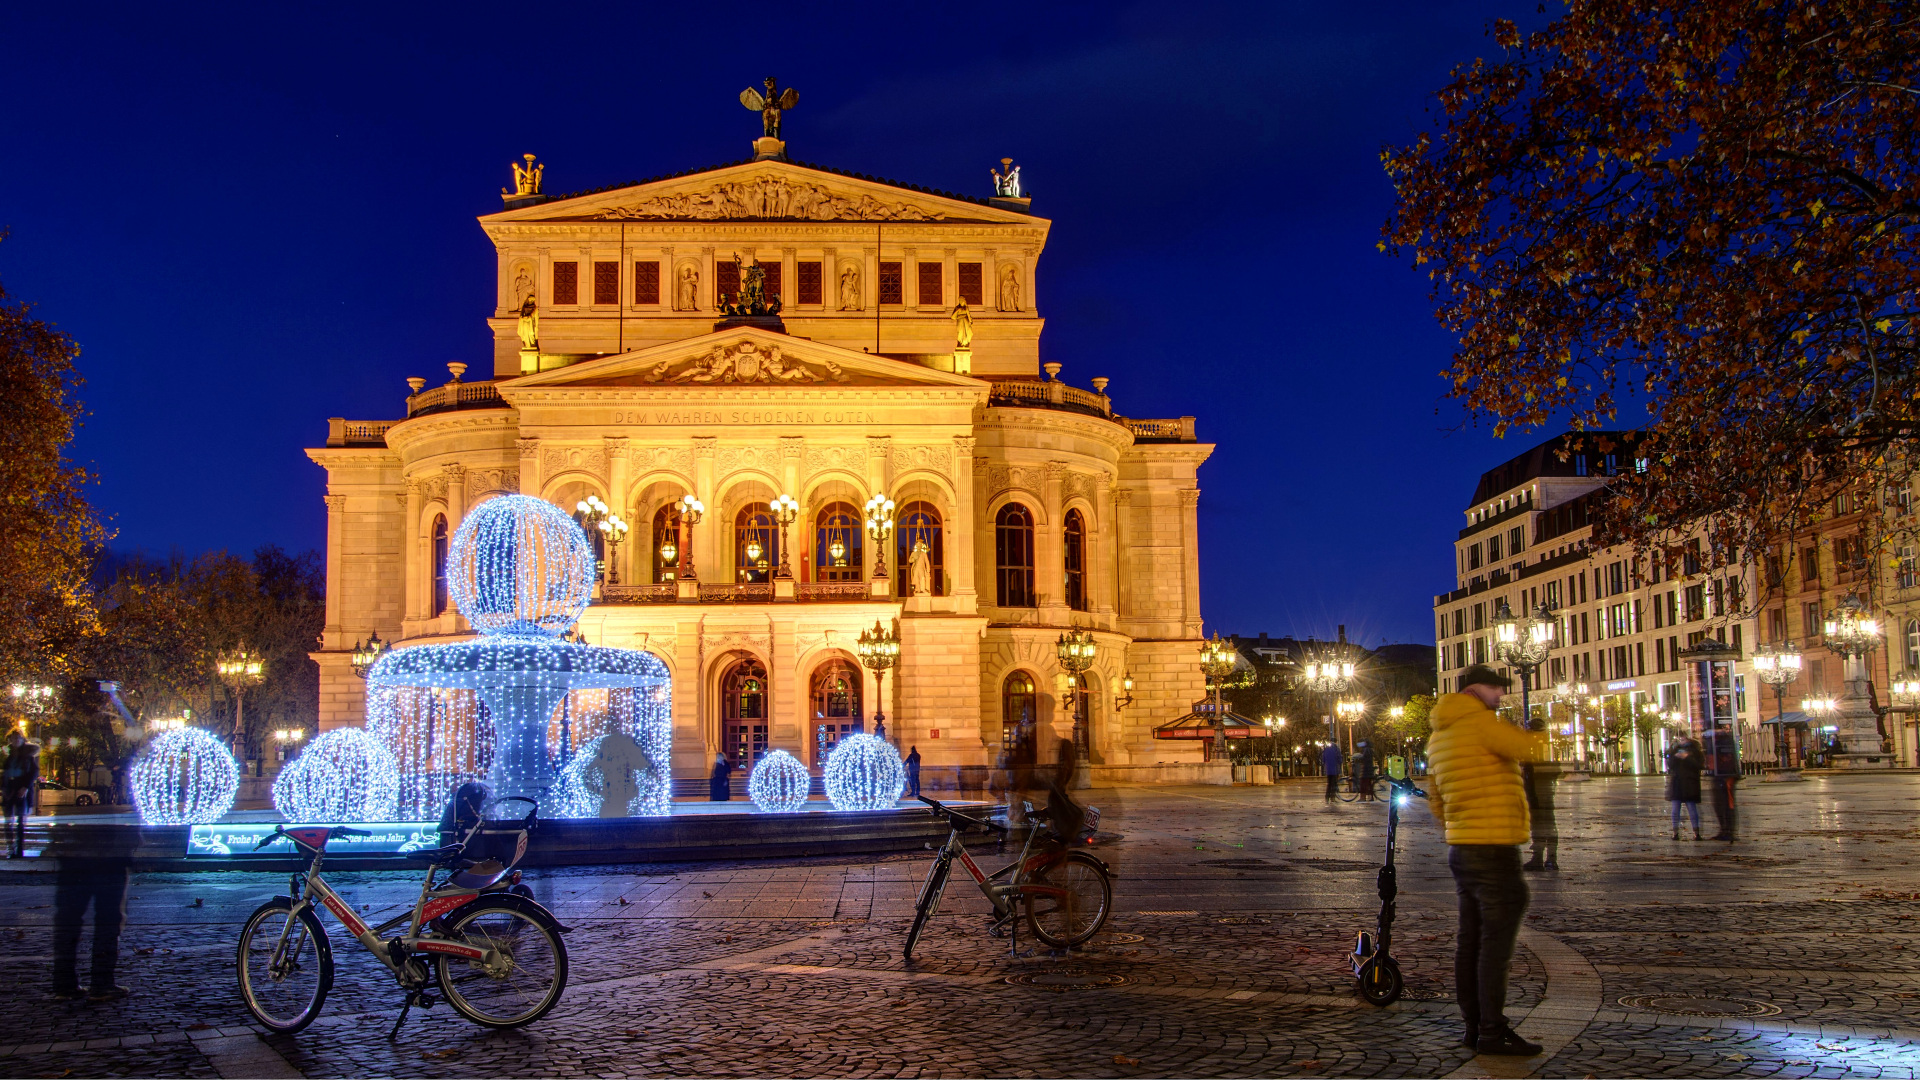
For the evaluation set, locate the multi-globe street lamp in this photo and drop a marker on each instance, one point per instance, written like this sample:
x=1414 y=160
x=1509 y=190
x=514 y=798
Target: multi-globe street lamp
x=1328 y=677
x=678 y=547
x=1523 y=643
x=879 y=650
x=367 y=653
x=240 y=669
x=786 y=510
x=1350 y=713
x=1077 y=650
x=1778 y=665
x=33 y=700
x=1217 y=659
x=879 y=526
x=1851 y=631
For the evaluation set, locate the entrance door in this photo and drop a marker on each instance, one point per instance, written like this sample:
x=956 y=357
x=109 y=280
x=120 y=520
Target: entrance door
x=743 y=727
x=835 y=705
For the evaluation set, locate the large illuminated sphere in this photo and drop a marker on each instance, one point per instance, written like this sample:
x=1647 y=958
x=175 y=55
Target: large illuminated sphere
x=184 y=777
x=779 y=783
x=520 y=565
x=864 y=773
x=344 y=775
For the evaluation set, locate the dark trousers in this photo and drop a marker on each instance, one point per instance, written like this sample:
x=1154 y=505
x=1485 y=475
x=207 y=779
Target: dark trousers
x=17 y=824
x=102 y=883
x=1493 y=897
x=1333 y=786
x=913 y=782
x=1722 y=787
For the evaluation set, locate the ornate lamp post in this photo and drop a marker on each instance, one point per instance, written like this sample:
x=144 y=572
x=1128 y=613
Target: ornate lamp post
x=786 y=510
x=32 y=700
x=1350 y=712
x=879 y=650
x=240 y=669
x=1076 y=650
x=1216 y=662
x=285 y=740
x=686 y=514
x=1854 y=633
x=615 y=529
x=1328 y=677
x=367 y=653
x=1523 y=644
x=1778 y=665
x=879 y=526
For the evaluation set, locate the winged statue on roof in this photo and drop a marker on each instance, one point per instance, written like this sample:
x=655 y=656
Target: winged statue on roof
x=768 y=105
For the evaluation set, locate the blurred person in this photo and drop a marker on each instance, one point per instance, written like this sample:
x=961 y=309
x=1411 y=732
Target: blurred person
x=1685 y=759
x=1330 y=764
x=94 y=864
x=1476 y=794
x=1540 y=781
x=720 y=783
x=913 y=772
x=1363 y=770
x=19 y=781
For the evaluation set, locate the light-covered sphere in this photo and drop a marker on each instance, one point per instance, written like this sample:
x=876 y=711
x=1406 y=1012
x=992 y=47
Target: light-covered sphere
x=520 y=565
x=344 y=775
x=779 y=783
x=184 y=777
x=864 y=773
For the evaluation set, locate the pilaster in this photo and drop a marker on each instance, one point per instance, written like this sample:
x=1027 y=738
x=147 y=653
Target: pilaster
x=529 y=465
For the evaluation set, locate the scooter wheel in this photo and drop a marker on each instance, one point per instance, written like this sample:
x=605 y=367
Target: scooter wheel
x=1380 y=982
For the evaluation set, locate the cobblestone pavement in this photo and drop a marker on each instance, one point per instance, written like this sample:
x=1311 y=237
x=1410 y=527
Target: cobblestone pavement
x=1793 y=953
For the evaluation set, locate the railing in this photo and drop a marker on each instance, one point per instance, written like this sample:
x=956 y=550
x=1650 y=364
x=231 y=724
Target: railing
x=455 y=395
x=832 y=590
x=736 y=594
x=640 y=594
x=343 y=432
x=1175 y=430
x=1050 y=394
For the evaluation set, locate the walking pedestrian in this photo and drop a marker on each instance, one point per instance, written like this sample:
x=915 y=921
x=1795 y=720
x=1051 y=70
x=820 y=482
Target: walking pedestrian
x=94 y=863
x=1540 y=778
x=1684 y=761
x=1721 y=756
x=1363 y=770
x=100 y=779
x=720 y=784
x=1475 y=792
x=913 y=772
x=1330 y=763
x=19 y=777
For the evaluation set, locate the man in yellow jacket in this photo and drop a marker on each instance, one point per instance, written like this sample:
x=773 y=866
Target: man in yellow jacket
x=1475 y=791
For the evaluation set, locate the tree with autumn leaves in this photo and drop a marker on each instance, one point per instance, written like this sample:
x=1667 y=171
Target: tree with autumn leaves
x=1697 y=221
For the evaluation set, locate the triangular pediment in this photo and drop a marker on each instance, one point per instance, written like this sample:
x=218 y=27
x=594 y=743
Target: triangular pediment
x=744 y=358
x=761 y=191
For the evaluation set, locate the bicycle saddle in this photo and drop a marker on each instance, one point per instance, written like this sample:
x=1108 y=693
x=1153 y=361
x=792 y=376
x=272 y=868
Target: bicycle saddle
x=478 y=875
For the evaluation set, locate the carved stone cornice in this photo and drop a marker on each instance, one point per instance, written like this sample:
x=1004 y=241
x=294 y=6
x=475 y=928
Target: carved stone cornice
x=745 y=361
x=792 y=447
x=765 y=198
x=336 y=504
x=616 y=447
x=703 y=447
x=1189 y=497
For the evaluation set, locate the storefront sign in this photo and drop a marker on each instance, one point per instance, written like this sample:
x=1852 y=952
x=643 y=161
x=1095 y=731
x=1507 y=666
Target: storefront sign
x=383 y=838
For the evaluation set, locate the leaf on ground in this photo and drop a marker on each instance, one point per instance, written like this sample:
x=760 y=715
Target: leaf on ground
x=1122 y=1059
x=1737 y=1056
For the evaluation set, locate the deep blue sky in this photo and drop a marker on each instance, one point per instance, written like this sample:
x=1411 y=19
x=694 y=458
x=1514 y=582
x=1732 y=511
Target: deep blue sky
x=257 y=217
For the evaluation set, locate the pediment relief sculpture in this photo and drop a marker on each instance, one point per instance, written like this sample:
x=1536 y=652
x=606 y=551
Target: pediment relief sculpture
x=747 y=361
x=771 y=197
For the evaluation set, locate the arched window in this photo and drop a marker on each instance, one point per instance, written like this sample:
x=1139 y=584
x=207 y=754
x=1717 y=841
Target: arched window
x=835 y=705
x=836 y=544
x=1019 y=714
x=666 y=546
x=440 y=565
x=1076 y=560
x=918 y=523
x=1013 y=556
x=1913 y=645
x=756 y=544
x=743 y=703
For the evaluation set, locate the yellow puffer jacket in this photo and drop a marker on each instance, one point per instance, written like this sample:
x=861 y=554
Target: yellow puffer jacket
x=1474 y=760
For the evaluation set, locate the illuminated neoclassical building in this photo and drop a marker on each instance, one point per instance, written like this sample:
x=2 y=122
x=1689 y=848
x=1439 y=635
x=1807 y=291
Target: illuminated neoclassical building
x=633 y=362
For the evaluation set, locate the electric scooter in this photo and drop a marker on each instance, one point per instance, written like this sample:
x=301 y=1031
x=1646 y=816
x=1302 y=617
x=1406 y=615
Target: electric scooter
x=1373 y=963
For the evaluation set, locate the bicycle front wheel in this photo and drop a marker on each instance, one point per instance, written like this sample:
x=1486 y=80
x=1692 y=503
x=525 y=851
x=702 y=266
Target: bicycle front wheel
x=930 y=893
x=285 y=965
x=1078 y=897
x=1349 y=790
x=523 y=977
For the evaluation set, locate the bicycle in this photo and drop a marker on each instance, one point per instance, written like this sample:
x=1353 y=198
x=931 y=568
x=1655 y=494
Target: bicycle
x=1065 y=895
x=1351 y=788
x=495 y=953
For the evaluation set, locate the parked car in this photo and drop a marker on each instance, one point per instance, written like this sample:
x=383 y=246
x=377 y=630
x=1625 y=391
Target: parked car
x=55 y=793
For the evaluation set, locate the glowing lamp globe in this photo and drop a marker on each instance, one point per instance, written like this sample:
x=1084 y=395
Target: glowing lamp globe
x=779 y=784
x=864 y=773
x=519 y=565
x=184 y=777
x=344 y=775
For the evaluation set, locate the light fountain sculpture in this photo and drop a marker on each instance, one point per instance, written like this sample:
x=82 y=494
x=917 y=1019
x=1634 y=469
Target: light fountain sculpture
x=521 y=572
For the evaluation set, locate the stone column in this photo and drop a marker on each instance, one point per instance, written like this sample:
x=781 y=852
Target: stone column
x=704 y=536
x=1122 y=559
x=958 y=555
x=336 y=581
x=617 y=501
x=413 y=558
x=1190 y=559
x=456 y=497
x=1100 y=558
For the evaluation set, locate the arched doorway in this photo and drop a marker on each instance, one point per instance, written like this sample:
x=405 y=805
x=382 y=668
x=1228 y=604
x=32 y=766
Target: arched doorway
x=1019 y=715
x=834 y=702
x=743 y=712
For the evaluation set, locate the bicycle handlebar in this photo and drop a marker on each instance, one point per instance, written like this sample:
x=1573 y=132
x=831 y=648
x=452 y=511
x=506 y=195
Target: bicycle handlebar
x=957 y=818
x=278 y=832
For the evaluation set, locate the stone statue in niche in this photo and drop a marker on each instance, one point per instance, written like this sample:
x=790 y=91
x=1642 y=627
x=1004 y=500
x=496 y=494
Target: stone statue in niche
x=850 y=288
x=686 y=296
x=920 y=570
x=962 y=325
x=768 y=105
x=526 y=179
x=529 y=324
x=614 y=766
x=1007 y=184
x=1010 y=288
x=522 y=284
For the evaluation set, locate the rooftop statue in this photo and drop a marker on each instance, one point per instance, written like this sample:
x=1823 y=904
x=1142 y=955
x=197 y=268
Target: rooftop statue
x=752 y=298
x=526 y=179
x=962 y=325
x=769 y=106
x=1007 y=184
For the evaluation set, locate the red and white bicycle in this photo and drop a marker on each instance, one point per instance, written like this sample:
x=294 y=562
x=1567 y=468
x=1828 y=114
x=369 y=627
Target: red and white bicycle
x=495 y=953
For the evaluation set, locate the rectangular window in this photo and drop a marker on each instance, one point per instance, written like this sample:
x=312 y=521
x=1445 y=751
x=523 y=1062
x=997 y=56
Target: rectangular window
x=1460 y=622
x=566 y=283
x=606 y=283
x=1617 y=578
x=931 y=295
x=970 y=288
x=1659 y=610
x=646 y=283
x=1776 y=624
x=1584 y=635
x=1810 y=564
x=1516 y=540
x=1660 y=653
x=1553 y=594
x=1473 y=557
x=774 y=278
x=1696 y=603
x=1639 y=658
x=890 y=287
x=1811 y=625
x=1909 y=568
x=1493 y=548
x=1479 y=616
x=726 y=282
x=1582 y=579
x=808 y=280
x=1673 y=608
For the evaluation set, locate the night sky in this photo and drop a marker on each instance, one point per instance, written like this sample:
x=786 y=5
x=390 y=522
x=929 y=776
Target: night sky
x=256 y=218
